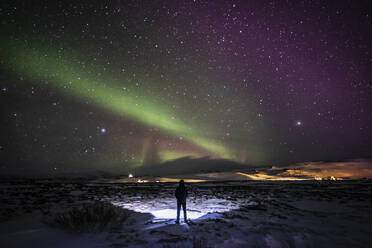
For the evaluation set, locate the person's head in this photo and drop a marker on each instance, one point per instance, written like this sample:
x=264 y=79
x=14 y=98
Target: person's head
x=182 y=183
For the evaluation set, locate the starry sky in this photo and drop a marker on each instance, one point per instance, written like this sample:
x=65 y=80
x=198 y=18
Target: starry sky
x=107 y=85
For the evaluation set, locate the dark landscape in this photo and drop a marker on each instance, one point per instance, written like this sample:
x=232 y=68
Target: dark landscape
x=222 y=214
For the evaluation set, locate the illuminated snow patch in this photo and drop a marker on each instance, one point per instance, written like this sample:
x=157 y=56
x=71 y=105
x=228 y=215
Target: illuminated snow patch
x=166 y=208
x=172 y=214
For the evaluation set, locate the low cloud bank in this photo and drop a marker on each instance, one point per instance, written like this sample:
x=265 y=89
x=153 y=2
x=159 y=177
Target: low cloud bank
x=217 y=169
x=189 y=165
x=353 y=169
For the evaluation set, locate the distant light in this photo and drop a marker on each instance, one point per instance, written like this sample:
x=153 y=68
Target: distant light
x=103 y=130
x=130 y=175
x=298 y=123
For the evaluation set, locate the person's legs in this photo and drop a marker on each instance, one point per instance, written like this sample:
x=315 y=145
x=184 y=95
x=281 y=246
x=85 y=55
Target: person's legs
x=184 y=211
x=178 y=211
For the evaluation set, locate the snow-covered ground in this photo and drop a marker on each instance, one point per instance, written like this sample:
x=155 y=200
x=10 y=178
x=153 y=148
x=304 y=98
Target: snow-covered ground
x=222 y=214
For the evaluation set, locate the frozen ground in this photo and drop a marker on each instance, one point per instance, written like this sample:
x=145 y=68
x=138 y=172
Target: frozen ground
x=223 y=214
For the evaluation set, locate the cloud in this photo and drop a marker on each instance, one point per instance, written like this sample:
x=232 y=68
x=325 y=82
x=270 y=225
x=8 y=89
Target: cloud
x=352 y=169
x=189 y=165
x=202 y=168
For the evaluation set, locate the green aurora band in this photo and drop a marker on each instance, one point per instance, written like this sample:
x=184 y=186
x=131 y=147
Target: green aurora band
x=50 y=66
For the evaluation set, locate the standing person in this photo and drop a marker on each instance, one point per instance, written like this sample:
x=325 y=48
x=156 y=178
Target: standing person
x=181 y=194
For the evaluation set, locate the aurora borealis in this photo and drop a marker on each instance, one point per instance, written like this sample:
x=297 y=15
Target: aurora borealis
x=94 y=85
x=65 y=76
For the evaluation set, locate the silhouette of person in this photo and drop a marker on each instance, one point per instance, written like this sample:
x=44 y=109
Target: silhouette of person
x=181 y=194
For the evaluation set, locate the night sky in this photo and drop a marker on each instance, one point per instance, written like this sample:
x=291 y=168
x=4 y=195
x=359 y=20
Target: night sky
x=103 y=85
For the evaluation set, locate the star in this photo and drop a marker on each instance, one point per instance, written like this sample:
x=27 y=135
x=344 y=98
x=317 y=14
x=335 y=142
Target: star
x=183 y=85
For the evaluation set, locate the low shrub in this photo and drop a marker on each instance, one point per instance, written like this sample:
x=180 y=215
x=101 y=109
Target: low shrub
x=90 y=217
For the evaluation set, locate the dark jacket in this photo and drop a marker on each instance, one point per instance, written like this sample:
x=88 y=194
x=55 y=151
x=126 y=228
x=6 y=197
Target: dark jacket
x=181 y=193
